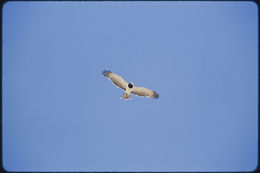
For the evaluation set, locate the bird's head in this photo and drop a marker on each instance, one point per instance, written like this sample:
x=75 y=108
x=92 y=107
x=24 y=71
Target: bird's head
x=131 y=85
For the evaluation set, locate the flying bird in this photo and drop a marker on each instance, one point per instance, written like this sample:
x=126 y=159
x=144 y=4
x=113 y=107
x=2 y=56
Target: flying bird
x=129 y=87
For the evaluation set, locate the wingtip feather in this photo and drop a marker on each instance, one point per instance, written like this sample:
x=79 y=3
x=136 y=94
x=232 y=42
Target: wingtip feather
x=106 y=72
x=156 y=95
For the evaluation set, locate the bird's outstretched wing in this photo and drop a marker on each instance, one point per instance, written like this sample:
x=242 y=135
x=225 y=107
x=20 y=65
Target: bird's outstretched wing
x=116 y=79
x=144 y=92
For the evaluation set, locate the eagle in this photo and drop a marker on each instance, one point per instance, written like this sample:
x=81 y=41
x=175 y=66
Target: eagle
x=129 y=87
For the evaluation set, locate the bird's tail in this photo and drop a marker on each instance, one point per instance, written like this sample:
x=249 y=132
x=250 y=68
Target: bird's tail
x=126 y=96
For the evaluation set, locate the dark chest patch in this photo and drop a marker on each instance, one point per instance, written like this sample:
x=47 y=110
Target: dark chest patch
x=130 y=85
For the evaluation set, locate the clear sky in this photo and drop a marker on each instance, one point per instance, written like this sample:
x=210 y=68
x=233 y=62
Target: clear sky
x=61 y=114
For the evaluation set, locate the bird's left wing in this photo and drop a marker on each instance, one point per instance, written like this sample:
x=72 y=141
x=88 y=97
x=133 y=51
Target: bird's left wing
x=144 y=92
x=116 y=79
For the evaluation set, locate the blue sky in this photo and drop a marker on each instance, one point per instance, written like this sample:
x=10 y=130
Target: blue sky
x=61 y=114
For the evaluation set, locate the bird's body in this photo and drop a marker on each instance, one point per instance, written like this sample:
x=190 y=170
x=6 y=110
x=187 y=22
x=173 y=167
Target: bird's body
x=128 y=90
x=129 y=87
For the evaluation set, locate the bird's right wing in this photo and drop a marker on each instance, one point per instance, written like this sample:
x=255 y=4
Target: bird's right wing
x=116 y=79
x=144 y=92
